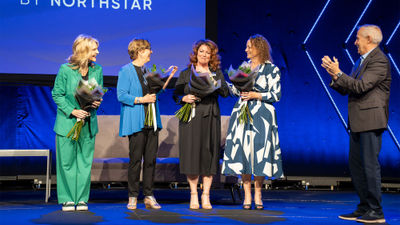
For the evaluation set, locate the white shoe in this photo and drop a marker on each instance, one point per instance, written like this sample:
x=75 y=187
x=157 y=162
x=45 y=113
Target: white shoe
x=81 y=206
x=68 y=206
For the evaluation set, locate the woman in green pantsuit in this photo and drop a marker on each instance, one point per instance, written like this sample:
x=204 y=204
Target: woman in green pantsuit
x=74 y=158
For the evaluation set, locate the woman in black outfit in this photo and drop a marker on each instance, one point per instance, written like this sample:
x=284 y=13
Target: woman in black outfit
x=199 y=139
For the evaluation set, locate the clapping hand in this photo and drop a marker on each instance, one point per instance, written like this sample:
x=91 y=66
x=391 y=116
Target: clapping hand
x=332 y=67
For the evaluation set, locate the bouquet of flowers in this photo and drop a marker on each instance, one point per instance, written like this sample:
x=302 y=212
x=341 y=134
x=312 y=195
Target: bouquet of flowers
x=86 y=93
x=243 y=79
x=200 y=85
x=156 y=83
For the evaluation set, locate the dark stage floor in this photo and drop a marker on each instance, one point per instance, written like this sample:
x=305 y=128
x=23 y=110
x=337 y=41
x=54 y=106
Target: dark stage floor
x=109 y=207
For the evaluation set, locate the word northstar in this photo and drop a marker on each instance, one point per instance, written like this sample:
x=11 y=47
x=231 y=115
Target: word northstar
x=106 y=4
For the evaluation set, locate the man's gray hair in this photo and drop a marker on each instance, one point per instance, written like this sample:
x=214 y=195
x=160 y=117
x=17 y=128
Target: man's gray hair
x=373 y=31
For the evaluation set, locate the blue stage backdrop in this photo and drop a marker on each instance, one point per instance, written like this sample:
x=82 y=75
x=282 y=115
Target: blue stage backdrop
x=37 y=35
x=312 y=137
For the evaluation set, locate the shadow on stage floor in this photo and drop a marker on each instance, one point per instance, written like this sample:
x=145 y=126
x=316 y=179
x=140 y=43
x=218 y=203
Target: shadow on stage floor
x=109 y=207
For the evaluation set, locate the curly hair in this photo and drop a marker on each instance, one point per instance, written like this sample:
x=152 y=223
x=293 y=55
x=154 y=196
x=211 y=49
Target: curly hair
x=82 y=51
x=263 y=47
x=215 y=61
x=136 y=45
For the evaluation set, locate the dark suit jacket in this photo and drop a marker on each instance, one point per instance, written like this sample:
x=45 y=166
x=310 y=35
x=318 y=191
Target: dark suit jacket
x=368 y=89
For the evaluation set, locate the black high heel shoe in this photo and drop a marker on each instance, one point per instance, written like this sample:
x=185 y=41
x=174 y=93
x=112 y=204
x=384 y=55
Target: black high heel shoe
x=259 y=207
x=246 y=206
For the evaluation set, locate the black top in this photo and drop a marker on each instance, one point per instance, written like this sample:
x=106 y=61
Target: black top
x=86 y=77
x=145 y=89
x=200 y=138
x=140 y=72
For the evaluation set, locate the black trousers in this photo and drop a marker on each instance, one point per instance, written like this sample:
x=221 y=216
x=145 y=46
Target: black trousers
x=143 y=144
x=365 y=168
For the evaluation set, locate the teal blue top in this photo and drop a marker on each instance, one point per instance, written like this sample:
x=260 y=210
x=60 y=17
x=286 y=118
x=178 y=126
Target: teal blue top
x=132 y=115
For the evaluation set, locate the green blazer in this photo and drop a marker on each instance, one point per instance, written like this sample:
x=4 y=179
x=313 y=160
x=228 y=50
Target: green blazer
x=63 y=95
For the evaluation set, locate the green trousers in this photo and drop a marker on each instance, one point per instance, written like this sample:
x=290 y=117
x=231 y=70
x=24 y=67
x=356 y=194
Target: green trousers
x=74 y=163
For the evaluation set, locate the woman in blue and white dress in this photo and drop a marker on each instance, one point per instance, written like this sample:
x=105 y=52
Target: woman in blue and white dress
x=253 y=148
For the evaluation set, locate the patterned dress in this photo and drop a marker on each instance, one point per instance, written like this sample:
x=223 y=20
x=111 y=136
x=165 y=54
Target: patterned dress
x=253 y=148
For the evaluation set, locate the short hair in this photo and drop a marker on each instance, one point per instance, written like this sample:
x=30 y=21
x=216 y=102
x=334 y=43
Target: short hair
x=215 y=61
x=81 y=51
x=263 y=46
x=373 y=31
x=137 y=45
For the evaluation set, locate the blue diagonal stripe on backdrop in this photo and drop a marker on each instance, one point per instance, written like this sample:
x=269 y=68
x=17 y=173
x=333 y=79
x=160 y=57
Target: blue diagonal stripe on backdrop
x=348 y=54
x=394 y=31
x=358 y=21
x=327 y=91
x=394 y=63
x=317 y=72
x=352 y=30
x=387 y=43
x=316 y=21
x=398 y=72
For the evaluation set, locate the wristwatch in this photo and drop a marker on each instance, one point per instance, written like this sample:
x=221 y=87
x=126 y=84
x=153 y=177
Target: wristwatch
x=339 y=74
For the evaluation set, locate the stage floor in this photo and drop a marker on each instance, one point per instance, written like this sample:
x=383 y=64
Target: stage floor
x=109 y=207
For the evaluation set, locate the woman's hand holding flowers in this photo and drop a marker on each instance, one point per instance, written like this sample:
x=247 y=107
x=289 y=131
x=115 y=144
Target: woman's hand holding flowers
x=189 y=98
x=149 y=98
x=250 y=95
x=96 y=104
x=79 y=113
x=88 y=95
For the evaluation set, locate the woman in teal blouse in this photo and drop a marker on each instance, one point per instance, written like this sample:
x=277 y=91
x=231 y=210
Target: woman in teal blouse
x=74 y=158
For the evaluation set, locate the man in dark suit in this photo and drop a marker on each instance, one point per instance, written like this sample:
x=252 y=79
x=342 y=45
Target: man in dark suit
x=368 y=89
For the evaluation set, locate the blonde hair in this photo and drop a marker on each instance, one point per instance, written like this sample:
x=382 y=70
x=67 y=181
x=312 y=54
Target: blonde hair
x=137 y=45
x=262 y=46
x=81 y=52
x=215 y=61
x=373 y=31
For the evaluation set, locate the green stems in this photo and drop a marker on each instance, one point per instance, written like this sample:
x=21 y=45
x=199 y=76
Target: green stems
x=245 y=115
x=76 y=130
x=184 y=113
x=148 y=121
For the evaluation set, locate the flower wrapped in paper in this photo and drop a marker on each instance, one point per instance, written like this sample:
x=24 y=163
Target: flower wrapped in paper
x=200 y=85
x=243 y=79
x=156 y=83
x=86 y=93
